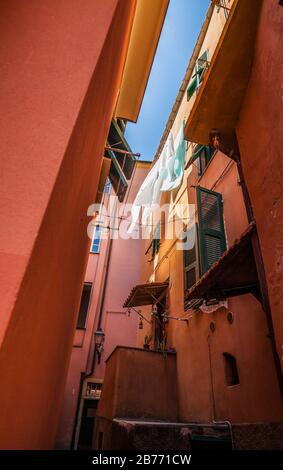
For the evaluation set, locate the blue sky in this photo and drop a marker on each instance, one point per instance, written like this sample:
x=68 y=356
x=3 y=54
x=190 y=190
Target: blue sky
x=181 y=27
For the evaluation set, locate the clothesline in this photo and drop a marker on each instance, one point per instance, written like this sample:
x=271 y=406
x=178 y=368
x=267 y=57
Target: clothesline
x=139 y=223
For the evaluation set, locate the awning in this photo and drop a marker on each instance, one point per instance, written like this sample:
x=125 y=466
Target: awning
x=233 y=274
x=122 y=164
x=219 y=99
x=146 y=294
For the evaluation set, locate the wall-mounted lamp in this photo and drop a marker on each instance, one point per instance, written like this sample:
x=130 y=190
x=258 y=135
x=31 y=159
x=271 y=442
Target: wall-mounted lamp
x=99 y=337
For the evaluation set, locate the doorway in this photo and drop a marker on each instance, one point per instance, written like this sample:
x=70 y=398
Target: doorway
x=87 y=424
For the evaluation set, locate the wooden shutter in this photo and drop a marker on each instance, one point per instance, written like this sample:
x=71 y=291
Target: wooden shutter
x=200 y=66
x=212 y=242
x=192 y=88
x=191 y=261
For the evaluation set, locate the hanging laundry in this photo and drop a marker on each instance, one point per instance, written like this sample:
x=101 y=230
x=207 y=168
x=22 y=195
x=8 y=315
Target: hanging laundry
x=165 y=175
x=176 y=164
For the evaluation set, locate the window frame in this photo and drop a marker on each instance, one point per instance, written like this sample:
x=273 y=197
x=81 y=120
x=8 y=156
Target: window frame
x=107 y=186
x=204 y=230
x=194 y=264
x=97 y=251
x=81 y=325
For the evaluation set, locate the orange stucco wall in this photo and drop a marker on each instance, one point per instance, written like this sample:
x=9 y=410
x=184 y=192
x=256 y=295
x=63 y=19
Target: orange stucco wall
x=60 y=79
x=260 y=136
x=139 y=384
x=203 y=393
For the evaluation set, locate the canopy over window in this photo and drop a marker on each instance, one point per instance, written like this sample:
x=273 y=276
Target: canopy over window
x=146 y=294
x=122 y=160
x=234 y=274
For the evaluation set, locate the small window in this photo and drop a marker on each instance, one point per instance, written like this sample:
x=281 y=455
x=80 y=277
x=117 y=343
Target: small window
x=204 y=158
x=107 y=187
x=201 y=67
x=84 y=306
x=95 y=244
x=231 y=370
x=93 y=390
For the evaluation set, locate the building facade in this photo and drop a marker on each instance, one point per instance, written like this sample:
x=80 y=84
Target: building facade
x=212 y=301
x=63 y=80
x=113 y=265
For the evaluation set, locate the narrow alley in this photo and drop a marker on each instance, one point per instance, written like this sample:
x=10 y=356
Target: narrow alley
x=141 y=269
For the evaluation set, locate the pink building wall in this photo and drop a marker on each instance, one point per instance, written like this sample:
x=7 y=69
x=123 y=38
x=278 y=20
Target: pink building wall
x=119 y=328
x=61 y=72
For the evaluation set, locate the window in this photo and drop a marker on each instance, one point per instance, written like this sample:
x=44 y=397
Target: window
x=206 y=240
x=203 y=154
x=93 y=390
x=84 y=306
x=201 y=66
x=212 y=242
x=95 y=244
x=107 y=187
x=231 y=370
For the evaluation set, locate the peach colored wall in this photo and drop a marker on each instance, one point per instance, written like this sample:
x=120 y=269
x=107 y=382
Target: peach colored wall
x=119 y=328
x=257 y=397
x=58 y=91
x=260 y=136
x=140 y=384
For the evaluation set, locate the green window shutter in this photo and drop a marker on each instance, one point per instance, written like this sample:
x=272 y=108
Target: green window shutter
x=212 y=242
x=191 y=260
x=156 y=239
x=117 y=177
x=116 y=139
x=203 y=154
x=197 y=151
x=192 y=88
x=200 y=66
